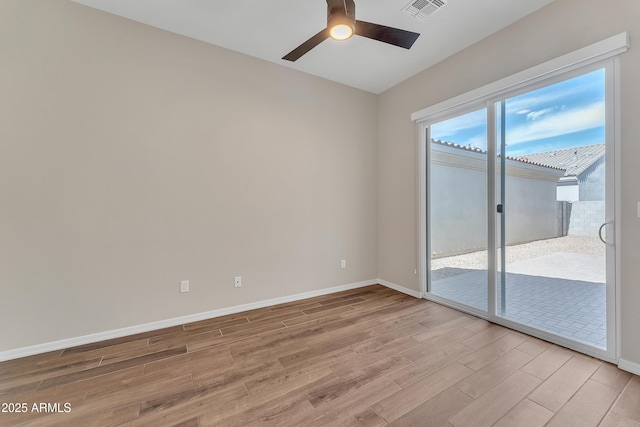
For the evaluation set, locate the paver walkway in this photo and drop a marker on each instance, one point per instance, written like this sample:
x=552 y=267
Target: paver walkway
x=562 y=293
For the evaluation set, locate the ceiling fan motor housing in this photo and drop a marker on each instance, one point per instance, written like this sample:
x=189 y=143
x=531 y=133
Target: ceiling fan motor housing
x=341 y=12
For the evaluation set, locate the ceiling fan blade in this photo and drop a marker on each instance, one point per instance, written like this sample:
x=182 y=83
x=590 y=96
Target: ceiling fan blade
x=382 y=33
x=305 y=47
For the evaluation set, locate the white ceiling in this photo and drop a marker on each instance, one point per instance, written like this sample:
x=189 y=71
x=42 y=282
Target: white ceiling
x=269 y=29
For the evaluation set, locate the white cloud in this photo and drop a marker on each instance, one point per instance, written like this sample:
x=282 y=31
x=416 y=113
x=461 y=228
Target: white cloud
x=534 y=115
x=540 y=98
x=525 y=111
x=563 y=122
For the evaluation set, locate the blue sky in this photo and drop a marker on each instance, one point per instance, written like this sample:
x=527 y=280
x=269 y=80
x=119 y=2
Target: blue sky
x=563 y=115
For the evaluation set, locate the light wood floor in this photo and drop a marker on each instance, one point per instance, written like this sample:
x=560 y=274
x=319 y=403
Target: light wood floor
x=369 y=356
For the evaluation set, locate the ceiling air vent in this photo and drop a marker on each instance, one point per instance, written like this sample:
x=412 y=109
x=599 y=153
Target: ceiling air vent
x=421 y=9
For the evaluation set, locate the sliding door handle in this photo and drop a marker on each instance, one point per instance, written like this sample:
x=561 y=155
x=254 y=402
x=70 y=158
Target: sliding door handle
x=600 y=232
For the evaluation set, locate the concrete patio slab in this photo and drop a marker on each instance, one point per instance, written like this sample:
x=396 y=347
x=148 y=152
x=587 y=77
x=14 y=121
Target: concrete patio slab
x=561 y=293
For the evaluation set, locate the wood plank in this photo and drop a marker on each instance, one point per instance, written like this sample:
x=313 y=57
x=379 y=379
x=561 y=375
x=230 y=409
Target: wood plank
x=333 y=305
x=404 y=325
x=217 y=323
x=431 y=363
x=438 y=344
x=182 y=337
x=325 y=348
x=227 y=412
x=613 y=419
x=233 y=375
x=272 y=342
x=349 y=297
x=292 y=311
x=560 y=386
x=167 y=401
x=587 y=407
x=27 y=362
x=534 y=346
x=90 y=385
x=478 y=383
x=135 y=389
x=11 y=370
x=344 y=385
x=547 y=362
x=102 y=370
x=284 y=380
x=526 y=413
x=628 y=404
x=491 y=406
x=182 y=410
x=192 y=362
x=487 y=354
x=47 y=373
x=107 y=347
x=435 y=411
x=409 y=398
x=193 y=422
x=143 y=351
x=259 y=326
x=341 y=411
x=319 y=315
x=488 y=336
x=227 y=339
x=274 y=412
x=612 y=376
x=378 y=303
x=18 y=390
x=363 y=358
x=437 y=328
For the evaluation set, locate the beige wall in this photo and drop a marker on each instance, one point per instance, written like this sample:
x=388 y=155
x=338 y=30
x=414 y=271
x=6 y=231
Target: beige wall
x=559 y=28
x=132 y=158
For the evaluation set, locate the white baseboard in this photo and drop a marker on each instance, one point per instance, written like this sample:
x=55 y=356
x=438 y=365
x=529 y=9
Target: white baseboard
x=628 y=366
x=117 y=333
x=399 y=288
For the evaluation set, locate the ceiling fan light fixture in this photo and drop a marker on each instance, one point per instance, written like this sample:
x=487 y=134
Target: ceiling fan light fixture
x=341 y=27
x=341 y=32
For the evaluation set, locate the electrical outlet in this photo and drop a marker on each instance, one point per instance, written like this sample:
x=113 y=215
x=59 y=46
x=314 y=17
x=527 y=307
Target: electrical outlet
x=343 y=263
x=237 y=282
x=184 y=286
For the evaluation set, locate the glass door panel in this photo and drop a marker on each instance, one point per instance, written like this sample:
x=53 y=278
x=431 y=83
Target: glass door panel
x=458 y=210
x=552 y=180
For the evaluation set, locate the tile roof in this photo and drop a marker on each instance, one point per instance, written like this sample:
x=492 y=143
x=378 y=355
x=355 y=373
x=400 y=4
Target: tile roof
x=521 y=159
x=573 y=160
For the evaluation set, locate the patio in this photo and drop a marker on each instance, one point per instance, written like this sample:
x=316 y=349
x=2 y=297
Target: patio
x=556 y=285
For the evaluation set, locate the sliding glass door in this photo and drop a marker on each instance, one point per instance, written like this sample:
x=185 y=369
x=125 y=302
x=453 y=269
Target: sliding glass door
x=520 y=210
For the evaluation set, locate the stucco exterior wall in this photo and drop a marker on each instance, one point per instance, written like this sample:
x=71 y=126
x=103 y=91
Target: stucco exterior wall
x=459 y=201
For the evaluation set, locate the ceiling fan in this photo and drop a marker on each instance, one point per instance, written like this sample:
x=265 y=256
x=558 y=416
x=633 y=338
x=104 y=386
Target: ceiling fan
x=342 y=24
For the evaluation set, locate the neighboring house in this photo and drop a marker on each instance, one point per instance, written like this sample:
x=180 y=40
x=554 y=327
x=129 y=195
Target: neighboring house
x=582 y=187
x=584 y=177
